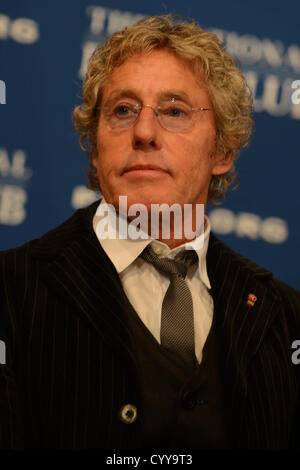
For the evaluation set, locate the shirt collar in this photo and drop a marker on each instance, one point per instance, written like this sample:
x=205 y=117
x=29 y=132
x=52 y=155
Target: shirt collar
x=123 y=252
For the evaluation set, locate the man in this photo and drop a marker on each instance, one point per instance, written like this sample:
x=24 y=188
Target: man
x=97 y=353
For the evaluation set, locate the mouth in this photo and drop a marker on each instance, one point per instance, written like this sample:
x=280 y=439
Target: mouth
x=145 y=168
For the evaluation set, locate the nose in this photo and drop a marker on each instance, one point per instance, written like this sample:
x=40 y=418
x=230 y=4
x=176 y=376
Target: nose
x=146 y=130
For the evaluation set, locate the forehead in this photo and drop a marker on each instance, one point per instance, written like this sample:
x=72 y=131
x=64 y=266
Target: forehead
x=155 y=73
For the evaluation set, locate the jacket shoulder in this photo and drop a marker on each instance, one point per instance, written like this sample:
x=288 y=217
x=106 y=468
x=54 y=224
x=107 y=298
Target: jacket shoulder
x=288 y=294
x=53 y=241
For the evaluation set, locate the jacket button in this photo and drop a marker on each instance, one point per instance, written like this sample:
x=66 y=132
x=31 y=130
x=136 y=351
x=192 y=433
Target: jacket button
x=189 y=401
x=128 y=414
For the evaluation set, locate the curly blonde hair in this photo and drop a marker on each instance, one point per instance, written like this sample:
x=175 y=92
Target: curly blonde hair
x=230 y=95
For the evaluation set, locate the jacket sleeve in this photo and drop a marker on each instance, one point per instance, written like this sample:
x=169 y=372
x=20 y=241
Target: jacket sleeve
x=10 y=412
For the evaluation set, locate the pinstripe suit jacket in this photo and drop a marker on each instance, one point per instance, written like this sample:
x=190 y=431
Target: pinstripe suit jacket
x=69 y=361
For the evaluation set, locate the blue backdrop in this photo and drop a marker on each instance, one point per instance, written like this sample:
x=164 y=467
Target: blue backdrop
x=44 y=47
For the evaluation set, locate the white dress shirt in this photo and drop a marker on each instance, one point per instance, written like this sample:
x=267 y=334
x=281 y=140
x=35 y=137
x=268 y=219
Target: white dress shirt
x=145 y=287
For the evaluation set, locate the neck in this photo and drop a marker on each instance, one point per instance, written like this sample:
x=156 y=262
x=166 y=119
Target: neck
x=173 y=227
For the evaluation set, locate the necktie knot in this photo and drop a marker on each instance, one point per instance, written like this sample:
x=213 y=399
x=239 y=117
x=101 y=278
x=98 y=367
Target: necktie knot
x=170 y=266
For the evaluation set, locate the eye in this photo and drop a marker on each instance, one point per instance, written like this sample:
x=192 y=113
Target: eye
x=123 y=110
x=175 y=110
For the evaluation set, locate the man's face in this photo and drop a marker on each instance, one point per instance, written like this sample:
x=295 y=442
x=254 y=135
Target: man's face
x=185 y=160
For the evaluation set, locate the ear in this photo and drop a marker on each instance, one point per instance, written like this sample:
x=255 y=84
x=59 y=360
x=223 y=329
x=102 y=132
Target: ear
x=95 y=159
x=223 y=163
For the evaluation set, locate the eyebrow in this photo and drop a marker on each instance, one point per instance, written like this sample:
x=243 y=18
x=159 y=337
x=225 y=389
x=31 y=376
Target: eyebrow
x=121 y=93
x=163 y=95
x=177 y=94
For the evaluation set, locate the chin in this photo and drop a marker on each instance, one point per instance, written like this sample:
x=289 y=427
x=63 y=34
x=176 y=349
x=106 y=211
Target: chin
x=142 y=195
x=147 y=198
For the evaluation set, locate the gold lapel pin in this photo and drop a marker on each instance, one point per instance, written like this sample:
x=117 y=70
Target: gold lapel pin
x=251 y=300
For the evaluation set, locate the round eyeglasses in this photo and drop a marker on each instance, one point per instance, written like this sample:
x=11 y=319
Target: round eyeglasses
x=172 y=116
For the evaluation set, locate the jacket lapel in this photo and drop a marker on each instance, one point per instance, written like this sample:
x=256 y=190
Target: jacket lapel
x=233 y=278
x=73 y=264
x=242 y=330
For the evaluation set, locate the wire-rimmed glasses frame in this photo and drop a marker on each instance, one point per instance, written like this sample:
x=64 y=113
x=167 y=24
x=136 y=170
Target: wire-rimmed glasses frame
x=171 y=122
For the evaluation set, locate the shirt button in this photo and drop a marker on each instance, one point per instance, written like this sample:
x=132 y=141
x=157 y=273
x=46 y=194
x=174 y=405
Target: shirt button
x=158 y=249
x=128 y=414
